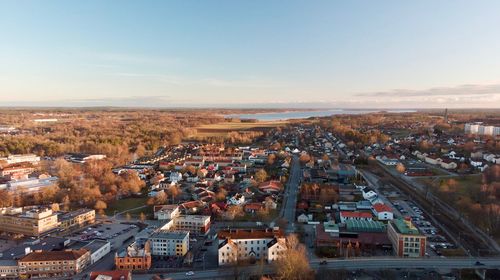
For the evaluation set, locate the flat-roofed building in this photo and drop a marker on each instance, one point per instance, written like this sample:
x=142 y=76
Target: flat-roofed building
x=169 y=243
x=406 y=240
x=31 y=221
x=76 y=219
x=9 y=269
x=197 y=224
x=13 y=159
x=45 y=264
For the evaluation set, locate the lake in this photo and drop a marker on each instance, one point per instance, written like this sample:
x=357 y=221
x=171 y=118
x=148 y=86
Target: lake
x=288 y=115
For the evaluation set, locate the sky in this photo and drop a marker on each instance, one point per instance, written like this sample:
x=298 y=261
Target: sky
x=260 y=53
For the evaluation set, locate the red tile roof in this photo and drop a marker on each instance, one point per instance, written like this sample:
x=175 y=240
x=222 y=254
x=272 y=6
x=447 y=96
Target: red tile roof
x=53 y=255
x=249 y=233
x=115 y=274
x=379 y=207
x=253 y=206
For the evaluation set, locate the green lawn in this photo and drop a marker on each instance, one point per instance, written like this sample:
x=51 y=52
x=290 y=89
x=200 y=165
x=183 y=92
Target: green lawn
x=128 y=203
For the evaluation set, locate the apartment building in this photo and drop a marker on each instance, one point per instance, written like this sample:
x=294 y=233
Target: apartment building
x=195 y=224
x=480 y=129
x=169 y=243
x=30 y=221
x=77 y=219
x=44 y=264
x=137 y=256
x=9 y=269
x=250 y=245
x=166 y=212
x=406 y=240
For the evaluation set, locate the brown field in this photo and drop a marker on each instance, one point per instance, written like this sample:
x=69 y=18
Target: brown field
x=223 y=128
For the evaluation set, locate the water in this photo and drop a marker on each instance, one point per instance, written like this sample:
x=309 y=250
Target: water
x=276 y=116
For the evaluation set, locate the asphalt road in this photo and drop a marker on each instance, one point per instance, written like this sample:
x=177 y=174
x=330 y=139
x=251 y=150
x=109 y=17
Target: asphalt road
x=290 y=195
x=349 y=264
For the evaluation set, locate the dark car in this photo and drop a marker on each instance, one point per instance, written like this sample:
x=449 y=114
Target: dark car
x=479 y=263
x=323 y=262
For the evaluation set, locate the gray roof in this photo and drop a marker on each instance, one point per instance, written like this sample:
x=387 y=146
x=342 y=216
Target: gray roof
x=170 y=234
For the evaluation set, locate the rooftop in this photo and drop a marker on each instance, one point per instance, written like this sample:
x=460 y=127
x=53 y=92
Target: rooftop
x=250 y=233
x=170 y=234
x=365 y=226
x=54 y=255
x=405 y=227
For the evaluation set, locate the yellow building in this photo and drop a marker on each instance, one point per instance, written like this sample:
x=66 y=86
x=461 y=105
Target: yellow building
x=406 y=240
x=169 y=243
x=30 y=221
x=77 y=219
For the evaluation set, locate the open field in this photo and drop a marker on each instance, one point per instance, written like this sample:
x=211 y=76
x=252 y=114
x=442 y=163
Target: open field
x=223 y=128
x=463 y=183
x=126 y=204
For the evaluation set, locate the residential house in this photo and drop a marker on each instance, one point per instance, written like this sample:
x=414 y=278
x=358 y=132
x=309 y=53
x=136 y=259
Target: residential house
x=237 y=199
x=383 y=212
x=270 y=187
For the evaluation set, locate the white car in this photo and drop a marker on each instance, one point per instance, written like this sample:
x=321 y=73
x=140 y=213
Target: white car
x=189 y=273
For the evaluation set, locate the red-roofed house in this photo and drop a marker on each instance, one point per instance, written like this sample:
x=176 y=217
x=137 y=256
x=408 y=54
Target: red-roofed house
x=253 y=207
x=270 y=187
x=111 y=275
x=355 y=215
x=382 y=212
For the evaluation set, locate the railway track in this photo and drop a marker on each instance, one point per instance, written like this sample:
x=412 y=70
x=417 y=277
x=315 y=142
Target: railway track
x=451 y=223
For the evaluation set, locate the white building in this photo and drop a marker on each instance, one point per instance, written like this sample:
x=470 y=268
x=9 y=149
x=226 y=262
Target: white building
x=166 y=212
x=382 y=212
x=169 y=243
x=196 y=224
x=368 y=193
x=240 y=245
x=98 y=249
x=237 y=199
x=12 y=159
x=480 y=129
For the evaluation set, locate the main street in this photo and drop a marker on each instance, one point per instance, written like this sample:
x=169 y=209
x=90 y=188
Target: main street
x=290 y=195
x=349 y=264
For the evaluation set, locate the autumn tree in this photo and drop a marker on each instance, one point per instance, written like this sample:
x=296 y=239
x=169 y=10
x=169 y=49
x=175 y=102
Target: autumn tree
x=400 y=168
x=6 y=198
x=66 y=203
x=294 y=264
x=221 y=194
x=304 y=158
x=174 y=192
x=160 y=198
x=142 y=217
x=129 y=183
x=261 y=176
x=100 y=206
x=271 y=159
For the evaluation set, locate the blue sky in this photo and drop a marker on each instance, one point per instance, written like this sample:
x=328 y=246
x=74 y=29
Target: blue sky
x=386 y=54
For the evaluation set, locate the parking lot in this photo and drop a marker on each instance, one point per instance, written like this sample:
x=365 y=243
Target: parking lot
x=114 y=233
x=435 y=241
